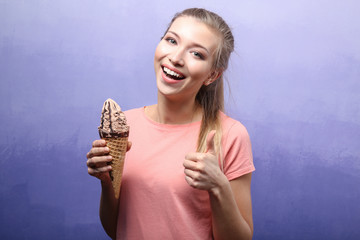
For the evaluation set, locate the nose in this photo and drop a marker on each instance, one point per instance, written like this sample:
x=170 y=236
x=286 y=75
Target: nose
x=177 y=57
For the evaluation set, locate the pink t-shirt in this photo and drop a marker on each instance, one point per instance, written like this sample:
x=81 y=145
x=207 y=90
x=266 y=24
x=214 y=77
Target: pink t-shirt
x=156 y=202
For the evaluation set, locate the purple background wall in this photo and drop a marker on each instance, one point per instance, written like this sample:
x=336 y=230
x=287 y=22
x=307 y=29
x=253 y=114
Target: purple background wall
x=295 y=82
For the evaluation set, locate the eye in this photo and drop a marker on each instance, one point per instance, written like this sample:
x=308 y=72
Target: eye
x=198 y=55
x=171 y=40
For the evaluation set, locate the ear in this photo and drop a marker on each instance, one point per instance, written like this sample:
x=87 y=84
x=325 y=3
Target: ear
x=213 y=76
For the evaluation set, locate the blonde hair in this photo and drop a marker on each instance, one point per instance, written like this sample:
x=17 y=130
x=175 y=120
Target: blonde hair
x=211 y=97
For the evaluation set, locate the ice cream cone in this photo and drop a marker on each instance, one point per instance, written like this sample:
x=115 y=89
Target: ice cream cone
x=117 y=148
x=114 y=130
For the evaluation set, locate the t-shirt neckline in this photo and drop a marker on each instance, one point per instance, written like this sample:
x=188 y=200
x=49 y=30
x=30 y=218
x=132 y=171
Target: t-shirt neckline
x=169 y=126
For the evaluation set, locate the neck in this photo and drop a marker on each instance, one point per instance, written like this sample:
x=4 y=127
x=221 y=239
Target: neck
x=175 y=112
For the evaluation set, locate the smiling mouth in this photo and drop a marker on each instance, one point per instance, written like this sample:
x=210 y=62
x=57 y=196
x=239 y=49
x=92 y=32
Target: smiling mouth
x=171 y=74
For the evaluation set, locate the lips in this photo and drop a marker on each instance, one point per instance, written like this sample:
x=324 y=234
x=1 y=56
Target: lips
x=172 y=73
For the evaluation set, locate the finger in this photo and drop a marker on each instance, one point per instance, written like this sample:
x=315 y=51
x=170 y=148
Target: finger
x=98 y=161
x=210 y=142
x=193 y=183
x=90 y=164
x=195 y=175
x=99 y=143
x=194 y=166
x=98 y=151
x=94 y=172
x=129 y=144
x=188 y=164
x=194 y=156
x=190 y=181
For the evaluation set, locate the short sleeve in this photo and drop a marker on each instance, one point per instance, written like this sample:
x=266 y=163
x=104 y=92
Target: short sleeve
x=236 y=150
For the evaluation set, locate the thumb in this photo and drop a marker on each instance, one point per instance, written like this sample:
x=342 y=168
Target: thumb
x=210 y=142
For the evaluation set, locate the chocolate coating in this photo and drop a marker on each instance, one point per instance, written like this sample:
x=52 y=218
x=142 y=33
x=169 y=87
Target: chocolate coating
x=113 y=121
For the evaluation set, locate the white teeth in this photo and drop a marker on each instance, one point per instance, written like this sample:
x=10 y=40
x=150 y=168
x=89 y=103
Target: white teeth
x=173 y=73
x=170 y=72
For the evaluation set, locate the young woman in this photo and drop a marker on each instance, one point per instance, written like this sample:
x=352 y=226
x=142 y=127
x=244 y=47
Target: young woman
x=188 y=173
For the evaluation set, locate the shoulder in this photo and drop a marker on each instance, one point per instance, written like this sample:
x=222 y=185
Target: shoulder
x=237 y=151
x=135 y=112
x=232 y=127
x=235 y=136
x=134 y=116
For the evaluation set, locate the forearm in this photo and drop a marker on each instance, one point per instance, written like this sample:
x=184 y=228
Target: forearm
x=108 y=209
x=228 y=223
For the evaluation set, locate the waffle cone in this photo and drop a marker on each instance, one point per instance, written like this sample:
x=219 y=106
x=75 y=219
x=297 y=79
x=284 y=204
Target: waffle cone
x=117 y=148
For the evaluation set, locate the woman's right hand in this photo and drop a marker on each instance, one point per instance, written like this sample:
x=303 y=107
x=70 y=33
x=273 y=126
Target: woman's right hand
x=98 y=159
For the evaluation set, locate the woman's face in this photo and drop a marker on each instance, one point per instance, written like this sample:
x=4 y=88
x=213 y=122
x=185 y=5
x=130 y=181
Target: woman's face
x=184 y=57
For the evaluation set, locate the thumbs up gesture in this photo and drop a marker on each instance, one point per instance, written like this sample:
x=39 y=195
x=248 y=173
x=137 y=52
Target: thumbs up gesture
x=202 y=170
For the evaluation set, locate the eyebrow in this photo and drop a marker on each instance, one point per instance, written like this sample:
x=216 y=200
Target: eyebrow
x=194 y=44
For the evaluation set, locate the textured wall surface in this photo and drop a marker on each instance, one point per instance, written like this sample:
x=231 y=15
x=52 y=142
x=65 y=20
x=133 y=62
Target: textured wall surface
x=295 y=84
